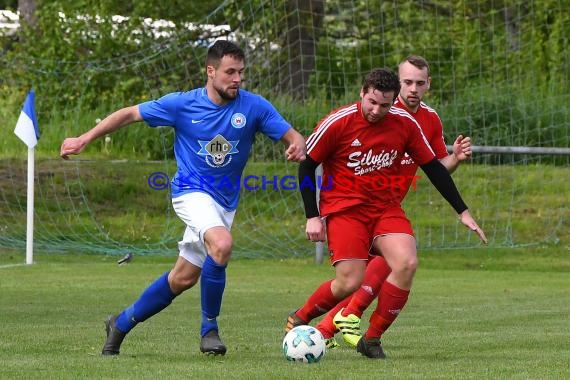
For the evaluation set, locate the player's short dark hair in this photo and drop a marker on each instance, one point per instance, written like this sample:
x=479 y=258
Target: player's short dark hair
x=221 y=48
x=383 y=80
x=417 y=61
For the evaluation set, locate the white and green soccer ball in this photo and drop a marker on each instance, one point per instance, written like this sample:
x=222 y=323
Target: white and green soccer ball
x=304 y=344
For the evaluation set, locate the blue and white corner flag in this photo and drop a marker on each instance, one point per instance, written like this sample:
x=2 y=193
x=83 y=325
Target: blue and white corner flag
x=27 y=127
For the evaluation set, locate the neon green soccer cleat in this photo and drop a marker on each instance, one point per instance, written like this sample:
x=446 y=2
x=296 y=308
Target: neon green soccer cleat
x=349 y=327
x=331 y=343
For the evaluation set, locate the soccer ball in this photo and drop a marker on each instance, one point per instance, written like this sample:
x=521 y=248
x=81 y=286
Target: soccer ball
x=304 y=344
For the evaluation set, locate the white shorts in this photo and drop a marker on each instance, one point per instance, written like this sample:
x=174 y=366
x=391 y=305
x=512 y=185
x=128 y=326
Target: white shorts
x=200 y=212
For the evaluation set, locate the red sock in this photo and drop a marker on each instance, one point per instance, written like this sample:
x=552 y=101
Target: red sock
x=376 y=273
x=392 y=301
x=326 y=325
x=318 y=303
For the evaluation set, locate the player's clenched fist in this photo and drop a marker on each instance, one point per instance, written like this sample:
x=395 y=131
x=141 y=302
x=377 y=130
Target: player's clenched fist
x=315 y=229
x=296 y=146
x=71 y=145
x=295 y=153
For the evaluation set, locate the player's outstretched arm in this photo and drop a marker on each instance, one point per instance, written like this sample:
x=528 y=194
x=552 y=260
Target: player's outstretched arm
x=116 y=120
x=296 y=146
x=443 y=182
x=461 y=152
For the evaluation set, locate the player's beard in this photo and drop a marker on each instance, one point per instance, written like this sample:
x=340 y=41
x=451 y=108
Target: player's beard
x=412 y=103
x=372 y=118
x=225 y=95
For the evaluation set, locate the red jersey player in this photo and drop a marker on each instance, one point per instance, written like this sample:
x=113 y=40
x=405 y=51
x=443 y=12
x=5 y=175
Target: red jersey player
x=415 y=82
x=360 y=147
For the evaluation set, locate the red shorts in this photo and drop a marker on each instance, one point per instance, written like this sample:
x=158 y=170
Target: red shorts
x=350 y=233
x=392 y=220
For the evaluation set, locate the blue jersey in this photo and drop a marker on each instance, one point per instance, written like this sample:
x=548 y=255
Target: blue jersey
x=212 y=142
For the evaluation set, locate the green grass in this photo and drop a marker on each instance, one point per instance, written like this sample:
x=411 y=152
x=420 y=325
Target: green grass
x=472 y=314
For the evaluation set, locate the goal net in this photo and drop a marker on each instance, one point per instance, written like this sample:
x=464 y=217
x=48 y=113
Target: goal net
x=499 y=74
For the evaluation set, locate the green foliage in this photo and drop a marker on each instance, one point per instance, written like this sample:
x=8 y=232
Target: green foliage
x=493 y=65
x=488 y=122
x=87 y=59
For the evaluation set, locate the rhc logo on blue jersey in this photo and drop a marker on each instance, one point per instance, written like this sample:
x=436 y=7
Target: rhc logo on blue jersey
x=216 y=151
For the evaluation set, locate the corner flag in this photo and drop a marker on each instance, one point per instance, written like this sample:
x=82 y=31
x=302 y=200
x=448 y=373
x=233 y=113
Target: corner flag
x=27 y=126
x=28 y=131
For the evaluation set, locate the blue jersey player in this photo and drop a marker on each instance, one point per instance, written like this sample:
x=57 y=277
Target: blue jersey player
x=214 y=132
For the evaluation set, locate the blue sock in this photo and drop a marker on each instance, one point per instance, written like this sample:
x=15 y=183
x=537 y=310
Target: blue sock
x=212 y=284
x=154 y=299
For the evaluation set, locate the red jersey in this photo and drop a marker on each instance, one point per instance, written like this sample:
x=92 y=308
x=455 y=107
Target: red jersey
x=361 y=159
x=431 y=126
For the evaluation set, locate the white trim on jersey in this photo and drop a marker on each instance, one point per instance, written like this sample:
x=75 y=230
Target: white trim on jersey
x=314 y=138
x=421 y=105
x=427 y=108
x=430 y=110
x=404 y=113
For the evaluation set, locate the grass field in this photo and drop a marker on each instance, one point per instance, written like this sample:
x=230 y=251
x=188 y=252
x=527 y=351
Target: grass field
x=473 y=314
x=481 y=312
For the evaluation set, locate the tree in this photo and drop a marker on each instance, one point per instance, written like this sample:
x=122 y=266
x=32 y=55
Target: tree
x=304 y=23
x=27 y=9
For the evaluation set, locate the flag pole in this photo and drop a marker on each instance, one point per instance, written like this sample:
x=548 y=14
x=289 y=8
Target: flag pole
x=28 y=131
x=30 y=209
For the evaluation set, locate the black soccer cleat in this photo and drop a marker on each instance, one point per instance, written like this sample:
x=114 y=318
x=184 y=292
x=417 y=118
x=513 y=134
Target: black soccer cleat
x=212 y=344
x=371 y=348
x=114 y=337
